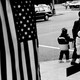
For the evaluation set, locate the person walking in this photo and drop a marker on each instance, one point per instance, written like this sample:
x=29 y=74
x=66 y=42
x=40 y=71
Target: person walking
x=63 y=41
x=75 y=29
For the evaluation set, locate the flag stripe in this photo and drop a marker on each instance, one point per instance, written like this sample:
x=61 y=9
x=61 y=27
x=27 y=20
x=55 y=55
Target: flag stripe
x=1 y=44
x=14 y=37
x=36 y=57
x=24 y=62
x=9 y=41
x=32 y=61
x=0 y=56
x=28 y=60
x=0 y=65
x=5 y=36
x=3 y=55
x=20 y=61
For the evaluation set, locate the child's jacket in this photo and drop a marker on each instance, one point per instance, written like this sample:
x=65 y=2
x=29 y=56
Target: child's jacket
x=64 y=40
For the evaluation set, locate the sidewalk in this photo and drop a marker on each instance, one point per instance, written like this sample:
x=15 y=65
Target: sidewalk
x=53 y=70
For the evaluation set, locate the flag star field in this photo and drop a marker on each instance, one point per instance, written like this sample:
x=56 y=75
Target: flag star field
x=24 y=18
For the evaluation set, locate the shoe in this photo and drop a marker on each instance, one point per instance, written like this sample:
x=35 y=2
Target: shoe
x=61 y=61
x=67 y=60
x=74 y=63
x=77 y=61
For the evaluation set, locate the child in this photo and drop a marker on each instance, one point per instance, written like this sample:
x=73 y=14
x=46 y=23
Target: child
x=64 y=40
x=78 y=47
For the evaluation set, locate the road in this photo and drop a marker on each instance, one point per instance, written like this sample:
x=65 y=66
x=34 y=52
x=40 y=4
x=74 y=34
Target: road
x=48 y=31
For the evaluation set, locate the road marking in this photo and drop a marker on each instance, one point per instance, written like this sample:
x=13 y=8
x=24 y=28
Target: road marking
x=52 y=47
x=49 y=47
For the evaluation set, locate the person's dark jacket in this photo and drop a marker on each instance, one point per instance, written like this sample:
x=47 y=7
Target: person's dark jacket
x=64 y=39
x=76 y=28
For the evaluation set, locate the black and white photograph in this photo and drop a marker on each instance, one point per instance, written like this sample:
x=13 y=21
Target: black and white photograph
x=40 y=40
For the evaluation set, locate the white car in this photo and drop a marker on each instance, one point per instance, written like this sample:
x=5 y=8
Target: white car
x=74 y=4
x=40 y=13
x=46 y=8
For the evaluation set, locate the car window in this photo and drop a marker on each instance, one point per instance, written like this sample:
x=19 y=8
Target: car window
x=46 y=7
x=41 y=9
x=36 y=9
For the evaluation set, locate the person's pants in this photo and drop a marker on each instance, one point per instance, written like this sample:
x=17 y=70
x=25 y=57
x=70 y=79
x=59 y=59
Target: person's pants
x=66 y=52
x=74 y=56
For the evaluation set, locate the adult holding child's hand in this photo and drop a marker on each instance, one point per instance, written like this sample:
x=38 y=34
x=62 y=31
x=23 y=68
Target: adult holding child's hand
x=76 y=28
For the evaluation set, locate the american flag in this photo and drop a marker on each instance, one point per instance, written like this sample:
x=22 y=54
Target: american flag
x=19 y=41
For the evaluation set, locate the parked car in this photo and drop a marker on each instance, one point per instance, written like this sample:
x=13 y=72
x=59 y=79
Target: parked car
x=46 y=8
x=74 y=4
x=41 y=12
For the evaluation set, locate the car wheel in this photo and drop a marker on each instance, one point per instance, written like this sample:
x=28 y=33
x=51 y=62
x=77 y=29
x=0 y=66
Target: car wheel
x=46 y=18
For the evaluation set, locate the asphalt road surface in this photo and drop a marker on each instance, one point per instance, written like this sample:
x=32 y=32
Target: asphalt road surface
x=48 y=31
